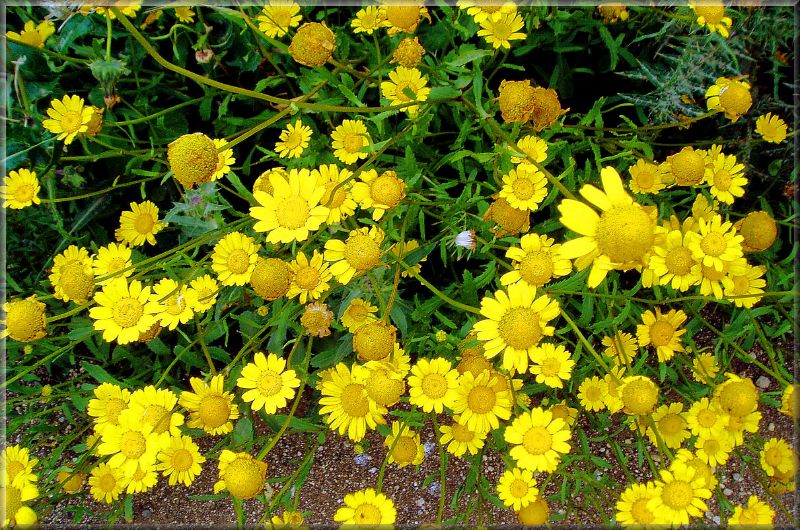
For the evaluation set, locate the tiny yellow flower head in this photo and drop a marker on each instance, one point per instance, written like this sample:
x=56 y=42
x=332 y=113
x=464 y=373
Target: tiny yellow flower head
x=366 y=507
x=72 y=276
x=646 y=177
x=278 y=16
x=68 y=117
x=404 y=86
x=369 y=19
x=756 y=512
x=516 y=101
x=313 y=44
x=729 y=96
x=234 y=258
x=20 y=189
x=613 y=12
x=184 y=14
x=538 y=440
x=140 y=224
x=293 y=140
x=193 y=159
x=316 y=320
x=499 y=29
x=404 y=446
x=632 y=505
x=408 y=53
x=34 y=34
x=639 y=395
x=517 y=488
x=758 y=230
x=771 y=128
x=546 y=108
x=349 y=140
x=536 y=513
x=403 y=17
x=711 y=14
x=240 y=474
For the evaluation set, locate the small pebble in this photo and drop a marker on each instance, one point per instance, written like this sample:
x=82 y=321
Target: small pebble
x=737 y=477
x=420 y=502
x=771 y=427
x=147 y=513
x=489 y=469
x=716 y=519
x=373 y=470
x=727 y=491
x=429 y=447
x=361 y=460
x=763 y=382
x=434 y=488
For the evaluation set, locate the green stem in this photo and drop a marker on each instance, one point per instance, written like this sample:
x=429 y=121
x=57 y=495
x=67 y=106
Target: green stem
x=434 y=290
x=586 y=344
x=45 y=51
x=161 y=112
x=108 y=39
x=202 y=340
x=442 y=470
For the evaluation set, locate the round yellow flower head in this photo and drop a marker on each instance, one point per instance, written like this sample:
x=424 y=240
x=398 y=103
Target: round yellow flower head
x=271 y=278
x=737 y=396
x=759 y=231
x=20 y=189
x=383 y=385
x=72 y=275
x=612 y=13
x=25 y=320
x=192 y=159
x=403 y=18
x=317 y=320
x=729 y=96
x=374 y=341
x=517 y=101
x=313 y=44
x=771 y=128
x=241 y=474
x=509 y=220
x=688 y=167
x=535 y=513
x=546 y=108
x=639 y=395
x=408 y=53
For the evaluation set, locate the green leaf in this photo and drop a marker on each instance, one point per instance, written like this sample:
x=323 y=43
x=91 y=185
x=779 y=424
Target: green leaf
x=243 y=432
x=99 y=374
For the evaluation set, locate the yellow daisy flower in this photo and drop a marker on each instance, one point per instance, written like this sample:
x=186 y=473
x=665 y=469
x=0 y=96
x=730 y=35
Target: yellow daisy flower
x=130 y=444
x=759 y=231
x=278 y=16
x=480 y=404
x=316 y=319
x=524 y=187
x=534 y=147
x=108 y=403
x=744 y=287
x=433 y=385
x=346 y=404
x=614 y=380
x=34 y=34
x=205 y=290
x=715 y=243
x=402 y=82
x=679 y=495
x=499 y=29
x=271 y=278
x=210 y=407
x=374 y=341
x=537 y=513
x=71 y=481
x=515 y=323
x=129 y=8
x=711 y=14
x=143 y=479
x=68 y=117
x=240 y=474
x=632 y=507
x=756 y=513
x=612 y=13
x=359 y=253
x=706 y=418
x=140 y=224
x=788 y=401
x=338 y=196
x=24 y=320
x=234 y=258
x=174 y=303
x=726 y=178
x=670 y=426
x=358 y=313
x=106 y=483
x=287 y=520
x=480 y=10
x=184 y=14
x=18 y=466
x=310 y=277
x=111 y=261
x=72 y=276
x=639 y=395
x=403 y=249
x=404 y=446
x=565 y=412
x=292 y=211
x=225 y=159
x=538 y=440
x=180 y=461
x=368 y=19
x=646 y=177
x=592 y=393
x=662 y=331
x=123 y=310
x=551 y=364
x=621 y=348
x=729 y=96
x=536 y=261
x=714 y=451
x=460 y=439
x=293 y=140
x=671 y=262
x=704 y=368
x=20 y=189
x=702 y=470
x=348 y=141
x=771 y=128
x=517 y=488
x=381 y=193
x=269 y=385
x=621 y=237
x=403 y=17
x=366 y=507
x=156 y=407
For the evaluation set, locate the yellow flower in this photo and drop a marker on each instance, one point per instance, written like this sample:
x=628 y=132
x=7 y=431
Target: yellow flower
x=155 y=407
x=71 y=481
x=193 y=159
x=184 y=14
x=174 y=301
x=346 y=404
x=501 y=28
x=349 y=140
x=310 y=277
x=632 y=507
x=715 y=243
x=17 y=464
x=517 y=488
x=359 y=253
x=533 y=148
x=288 y=520
x=671 y=262
x=546 y=108
x=772 y=128
x=224 y=159
x=278 y=16
x=612 y=13
x=639 y=395
x=551 y=364
x=210 y=407
x=20 y=189
x=646 y=177
x=292 y=211
x=759 y=231
x=234 y=258
x=592 y=393
x=313 y=44
x=368 y=19
x=205 y=293
x=374 y=341
x=515 y=322
x=109 y=401
x=240 y=474
x=537 y=513
x=403 y=249
x=271 y=278
x=565 y=412
x=404 y=16
x=106 y=483
x=408 y=53
x=726 y=178
x=316 y=319
x=687 y=167
x=433 y=385
x=72 y=276
x=143 y=479
x=745 y=287
x=711 y=14
x=704 y=368
x=140 y=224
x=293 y=140
x=68 y=117
x=404 y=446
x=111 y=261
x=756 y=512
x=538 y=440
x=404 y=86
x=706 y=418
x=524 y=187
x=621 y=348
x=480 y=404
x=123 y=310
x=366 y=507
x=662 y=331
x=459 y=439
x=129 y=8
x=621 y=237
x=788 y=401
x=729 y=96
x=358 y=313
x=480 y=10
x=517 y=100
x=679 y=495
x=130 y=444
x=24 y=320
x=536 y=261
x=338 y=196
x=714 y=451
x=670 y=426
x=34 y=34
x=180 y=461
x=269 y=385
x=381 y=193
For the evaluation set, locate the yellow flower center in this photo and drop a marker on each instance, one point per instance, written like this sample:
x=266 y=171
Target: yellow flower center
x=671 y=424
x=640 y=397
x=75 y=281
x=317 y=321
x=405 y=450
x=551 y=367
x=132 y=444
x=374 y=341
x=338 y=197
x=107 y=482
x=461 y=433
x=518 y=488
x=127 y=312
x=625 y=233
x=520 y=328
x=713 y=244
x=749 y=516
x=354 y=401
x=434 y=386
x=403 y=17
x=712 y=14
x=741 y=285
x=759 y=230
x=116 y=264
x=711 y=274
x=367 y=514
x=113 y=408
x=481 y=399
x=679 y=261
x=688 y=167
x=23 y=193
x=352 y=143
x=739 y=398
x=158 y=417
x=214 y=411
x=645 y=179
x=271 y=278
x=243 y=478
x=25 y=320
x=501 y=30
x=661 y=333
x=383 y=389
x=270 y=383
x=293 y=139
x=182 y=460
x=175 y=304
x=538 y=440
x=523 y=188
x=71 y=121
x=292 y=212
x=13 y=502
x=387 y=189
x=677 y=494
x=144 y=223
x=773 y=456
x=238 y=261
x=640 y=513
x=735 y=99
x=536 y=268
x=711 y=447
x=722 y=180
x=358 y=312
x=593 y=392
x=307 y=278
x=361 y=252
x=14 y=468
x=706 y=418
